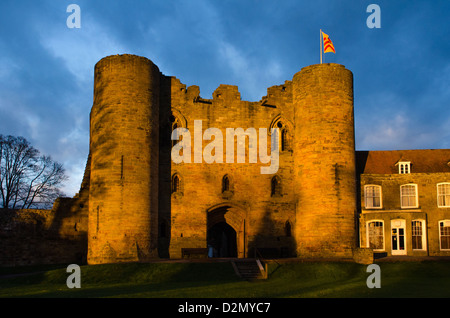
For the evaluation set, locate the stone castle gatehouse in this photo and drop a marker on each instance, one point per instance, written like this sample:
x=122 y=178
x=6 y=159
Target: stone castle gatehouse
x=143 y=205
x=324 y=199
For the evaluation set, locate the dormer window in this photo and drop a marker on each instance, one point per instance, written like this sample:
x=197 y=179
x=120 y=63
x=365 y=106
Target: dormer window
x=404 y=167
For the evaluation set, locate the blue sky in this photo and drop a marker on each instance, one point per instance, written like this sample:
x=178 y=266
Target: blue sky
x=401 y=70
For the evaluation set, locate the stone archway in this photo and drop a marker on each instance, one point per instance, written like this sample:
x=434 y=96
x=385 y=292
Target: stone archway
x=226 y=231
x=222 y=240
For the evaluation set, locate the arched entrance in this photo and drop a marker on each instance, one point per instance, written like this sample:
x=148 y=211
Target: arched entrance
x=226 y=231
x=222 y=241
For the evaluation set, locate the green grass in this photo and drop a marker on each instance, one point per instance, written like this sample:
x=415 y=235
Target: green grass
x=218 y=280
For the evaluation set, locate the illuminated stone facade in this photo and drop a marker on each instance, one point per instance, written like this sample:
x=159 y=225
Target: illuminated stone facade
x=323 y=199
x=143 y=205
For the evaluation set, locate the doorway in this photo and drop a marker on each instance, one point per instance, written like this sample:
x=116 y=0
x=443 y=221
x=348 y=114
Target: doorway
x=226 y=231
x=398 y=239
x=221 y=241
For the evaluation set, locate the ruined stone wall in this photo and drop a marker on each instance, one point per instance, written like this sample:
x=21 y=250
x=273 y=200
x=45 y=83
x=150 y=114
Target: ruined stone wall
x=56 y=236
x=29 y=237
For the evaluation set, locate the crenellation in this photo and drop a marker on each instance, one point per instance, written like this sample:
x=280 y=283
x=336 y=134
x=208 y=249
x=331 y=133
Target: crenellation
x=226 y=93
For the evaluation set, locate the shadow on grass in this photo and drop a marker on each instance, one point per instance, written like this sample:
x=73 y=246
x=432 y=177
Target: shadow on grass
x=218 y=280
x=120 y=280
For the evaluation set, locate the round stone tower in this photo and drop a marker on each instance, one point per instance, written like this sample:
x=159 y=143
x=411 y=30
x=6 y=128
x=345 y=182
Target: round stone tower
x=324 y=164
x=124 y=133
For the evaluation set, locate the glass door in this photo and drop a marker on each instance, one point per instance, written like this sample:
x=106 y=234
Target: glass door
x=398 y=237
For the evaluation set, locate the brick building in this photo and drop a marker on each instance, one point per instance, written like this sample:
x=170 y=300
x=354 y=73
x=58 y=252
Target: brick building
x=405 y=201
x=318 y=197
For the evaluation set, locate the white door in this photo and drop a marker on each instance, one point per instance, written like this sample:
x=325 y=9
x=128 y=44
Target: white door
x=398 y=239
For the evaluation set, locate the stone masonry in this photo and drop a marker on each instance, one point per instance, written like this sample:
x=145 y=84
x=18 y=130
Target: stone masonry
x=137 y=204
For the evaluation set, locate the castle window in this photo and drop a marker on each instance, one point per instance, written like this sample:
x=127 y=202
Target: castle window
x=225 y=183
x=285 y=129
x=176 y=183
x=375 y=235
x=288 y=229
x=275 y=185
x=175 y=136
x=408 y=196
x=227 y=187
x=418 y=237
x=443 y=193
x=404 y=167
x=444 y=234
x=176 y=120
x=285 y=142
x=372 y=196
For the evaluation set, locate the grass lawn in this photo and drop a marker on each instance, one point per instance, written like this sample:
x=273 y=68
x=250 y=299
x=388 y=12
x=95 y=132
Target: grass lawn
x=218 y=280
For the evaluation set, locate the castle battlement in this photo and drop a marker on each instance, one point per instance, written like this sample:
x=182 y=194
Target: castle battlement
x=135 y=186
x=323 y=200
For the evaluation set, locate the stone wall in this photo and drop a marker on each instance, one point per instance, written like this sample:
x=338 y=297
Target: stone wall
x=260 y=218
x=59 y=235
x=29 y=237
x=134 y=209
x=363 y=255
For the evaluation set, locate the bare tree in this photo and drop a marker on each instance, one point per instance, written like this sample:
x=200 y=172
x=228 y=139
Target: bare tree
x=27 y=179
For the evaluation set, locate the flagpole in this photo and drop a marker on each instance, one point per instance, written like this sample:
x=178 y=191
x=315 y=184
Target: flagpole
x=320 y=39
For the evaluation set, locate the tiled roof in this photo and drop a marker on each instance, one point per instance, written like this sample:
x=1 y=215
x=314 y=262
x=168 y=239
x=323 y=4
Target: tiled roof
x=384 y=162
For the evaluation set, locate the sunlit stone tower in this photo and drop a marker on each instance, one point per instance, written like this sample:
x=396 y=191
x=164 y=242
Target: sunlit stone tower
x=324 y=161
x=124 y=133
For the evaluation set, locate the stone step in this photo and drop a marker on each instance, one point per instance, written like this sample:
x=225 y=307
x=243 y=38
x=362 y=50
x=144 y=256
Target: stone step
x=248 y=269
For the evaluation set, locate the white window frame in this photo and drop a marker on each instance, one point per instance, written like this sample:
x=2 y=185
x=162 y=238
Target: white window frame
x=446 y=224
x=445 y=194
x=368 y=200
x=368 y=235
x=404 y=167
x=416 y=204
x=423 y=234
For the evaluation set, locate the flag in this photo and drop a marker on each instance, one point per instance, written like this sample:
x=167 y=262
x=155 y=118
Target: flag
x=327 y=44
